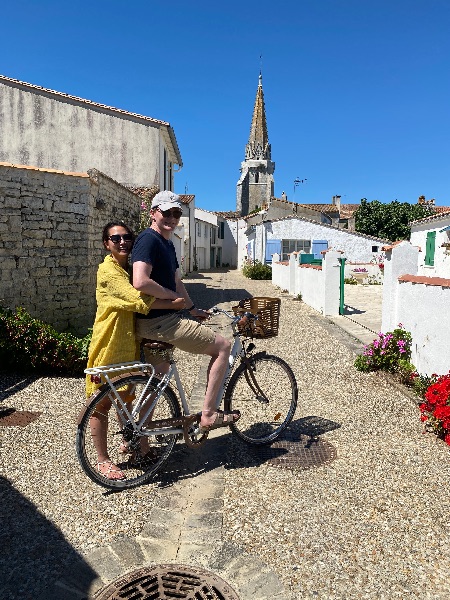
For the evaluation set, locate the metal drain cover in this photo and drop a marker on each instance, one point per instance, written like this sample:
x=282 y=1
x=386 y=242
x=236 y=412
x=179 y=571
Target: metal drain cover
x=10 y=417
x=166 y=582
x=304 y=453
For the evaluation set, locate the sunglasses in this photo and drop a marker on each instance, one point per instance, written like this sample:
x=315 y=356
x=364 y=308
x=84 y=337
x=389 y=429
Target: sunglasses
x=176 y=213
x=116 y=238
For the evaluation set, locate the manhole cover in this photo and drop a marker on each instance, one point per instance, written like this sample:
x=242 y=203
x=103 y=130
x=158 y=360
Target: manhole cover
x=10 y=417
x=166 y=582
x=304 y=452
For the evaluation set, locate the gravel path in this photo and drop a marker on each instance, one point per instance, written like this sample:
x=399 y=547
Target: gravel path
x=371 y=524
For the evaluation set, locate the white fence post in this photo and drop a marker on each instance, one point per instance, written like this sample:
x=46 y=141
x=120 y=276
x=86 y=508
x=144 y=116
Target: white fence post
x=292 y=268
x=401 y=259
x=331 y=270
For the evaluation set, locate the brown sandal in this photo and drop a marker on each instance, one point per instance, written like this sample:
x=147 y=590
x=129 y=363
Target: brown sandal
x=223 y=419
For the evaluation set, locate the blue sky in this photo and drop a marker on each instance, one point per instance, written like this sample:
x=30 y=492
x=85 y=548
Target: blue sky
x=357 y=92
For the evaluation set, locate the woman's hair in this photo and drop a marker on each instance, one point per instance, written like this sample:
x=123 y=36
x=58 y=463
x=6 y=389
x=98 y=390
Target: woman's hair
x=107 y=227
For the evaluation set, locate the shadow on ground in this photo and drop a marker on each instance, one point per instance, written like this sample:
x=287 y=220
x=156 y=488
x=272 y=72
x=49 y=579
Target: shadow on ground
x=230 y=452
x=34 y=552
x=11 y=384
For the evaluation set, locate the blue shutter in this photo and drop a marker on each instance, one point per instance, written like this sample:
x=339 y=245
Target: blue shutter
x=318 y=246
x=272 y=246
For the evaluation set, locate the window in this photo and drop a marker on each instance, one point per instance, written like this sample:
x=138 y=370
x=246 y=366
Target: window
x=374 y=248
x=199 y=229
x=289 y=246
x=221 y=230
x=213 y=235
x=206 y=231
x=429 y=248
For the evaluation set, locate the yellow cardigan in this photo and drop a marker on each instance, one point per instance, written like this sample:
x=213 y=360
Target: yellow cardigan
x=113 y=339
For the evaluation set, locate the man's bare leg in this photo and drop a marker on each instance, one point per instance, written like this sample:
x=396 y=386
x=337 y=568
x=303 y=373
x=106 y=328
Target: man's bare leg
x=219 y=350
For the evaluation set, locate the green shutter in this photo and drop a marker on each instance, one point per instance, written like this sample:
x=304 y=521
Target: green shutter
x=429 y=248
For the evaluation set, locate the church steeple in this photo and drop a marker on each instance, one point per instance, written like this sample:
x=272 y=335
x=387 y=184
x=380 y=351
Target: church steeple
x=255 y=186
x=258 y=143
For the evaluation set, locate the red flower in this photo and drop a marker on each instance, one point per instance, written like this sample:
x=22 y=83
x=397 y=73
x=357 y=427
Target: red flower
x=441 y=412
x=447 y=439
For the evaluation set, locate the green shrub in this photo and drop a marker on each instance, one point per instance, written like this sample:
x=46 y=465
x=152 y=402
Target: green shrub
x=351 y=280
x=27 y=344
x=256 y=270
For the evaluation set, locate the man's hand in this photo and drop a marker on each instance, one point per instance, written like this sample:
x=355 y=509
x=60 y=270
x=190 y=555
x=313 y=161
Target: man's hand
x=200 y=314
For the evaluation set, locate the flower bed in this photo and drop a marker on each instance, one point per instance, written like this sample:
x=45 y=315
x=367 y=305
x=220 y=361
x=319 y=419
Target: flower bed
x=435 y=411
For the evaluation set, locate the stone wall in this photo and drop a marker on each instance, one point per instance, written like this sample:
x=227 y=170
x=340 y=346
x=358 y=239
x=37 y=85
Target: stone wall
x=50 y=240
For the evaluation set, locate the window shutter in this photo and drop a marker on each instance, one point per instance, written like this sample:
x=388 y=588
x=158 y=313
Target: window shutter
x=272 y=246
x=318 y=246
x=429 y=248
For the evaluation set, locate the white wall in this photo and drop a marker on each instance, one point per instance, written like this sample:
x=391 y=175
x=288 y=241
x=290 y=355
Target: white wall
x=420 y=304
x=356 y=247
x=319 y=286
x=423 y=310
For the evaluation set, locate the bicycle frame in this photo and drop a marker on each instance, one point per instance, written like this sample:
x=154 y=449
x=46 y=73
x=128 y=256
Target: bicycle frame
x=121 y=406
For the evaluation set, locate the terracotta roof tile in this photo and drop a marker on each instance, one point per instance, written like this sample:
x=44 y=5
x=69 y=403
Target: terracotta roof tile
x=439 y=213
x=437 y=281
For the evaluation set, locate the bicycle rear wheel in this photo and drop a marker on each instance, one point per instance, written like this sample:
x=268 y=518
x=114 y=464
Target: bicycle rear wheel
x=119 y=435
x=266 y=394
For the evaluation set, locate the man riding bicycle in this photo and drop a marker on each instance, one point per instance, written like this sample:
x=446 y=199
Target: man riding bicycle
x=156 y=272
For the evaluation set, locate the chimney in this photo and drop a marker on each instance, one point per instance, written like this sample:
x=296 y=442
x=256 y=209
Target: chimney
x=283 y=196
x=337 y=203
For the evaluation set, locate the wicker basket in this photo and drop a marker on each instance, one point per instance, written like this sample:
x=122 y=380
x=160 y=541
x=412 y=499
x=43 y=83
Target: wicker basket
x=268 y=311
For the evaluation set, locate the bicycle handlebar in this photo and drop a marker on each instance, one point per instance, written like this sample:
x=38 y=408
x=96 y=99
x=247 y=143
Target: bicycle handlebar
x=237 y=319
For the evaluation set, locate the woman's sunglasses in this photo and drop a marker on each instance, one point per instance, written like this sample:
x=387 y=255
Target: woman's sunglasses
x=116 y=238
x=176 y=214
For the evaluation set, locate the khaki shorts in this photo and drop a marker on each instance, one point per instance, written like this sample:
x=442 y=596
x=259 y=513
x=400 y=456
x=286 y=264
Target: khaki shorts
x=184 y=334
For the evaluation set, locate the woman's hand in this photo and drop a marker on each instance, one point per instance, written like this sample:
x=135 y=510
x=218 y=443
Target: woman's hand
x=178 y=304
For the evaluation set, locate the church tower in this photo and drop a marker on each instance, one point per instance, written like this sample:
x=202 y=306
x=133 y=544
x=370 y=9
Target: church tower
x=255 y=186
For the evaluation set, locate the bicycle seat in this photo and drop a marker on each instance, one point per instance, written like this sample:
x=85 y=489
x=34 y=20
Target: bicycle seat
x=156 y=345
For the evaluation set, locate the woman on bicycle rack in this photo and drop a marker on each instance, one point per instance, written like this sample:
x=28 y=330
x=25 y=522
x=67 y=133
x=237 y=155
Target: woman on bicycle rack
x=113 y=336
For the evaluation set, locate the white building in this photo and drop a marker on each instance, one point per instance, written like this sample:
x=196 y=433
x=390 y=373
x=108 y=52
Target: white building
x=297 y=234
x=432 y=236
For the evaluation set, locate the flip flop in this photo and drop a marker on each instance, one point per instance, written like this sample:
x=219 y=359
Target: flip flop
x=110 y=473
x=223 y=419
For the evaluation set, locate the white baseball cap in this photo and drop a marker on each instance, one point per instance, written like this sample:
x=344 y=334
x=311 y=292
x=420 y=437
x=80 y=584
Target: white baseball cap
x=166 y=200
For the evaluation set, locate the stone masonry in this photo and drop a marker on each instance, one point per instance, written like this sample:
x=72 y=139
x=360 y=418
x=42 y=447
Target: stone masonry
x=50 y=240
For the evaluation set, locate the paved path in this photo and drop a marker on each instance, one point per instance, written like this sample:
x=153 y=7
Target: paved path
x=362 y=318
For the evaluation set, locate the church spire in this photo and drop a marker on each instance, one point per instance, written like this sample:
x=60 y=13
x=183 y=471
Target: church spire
x=258 y=146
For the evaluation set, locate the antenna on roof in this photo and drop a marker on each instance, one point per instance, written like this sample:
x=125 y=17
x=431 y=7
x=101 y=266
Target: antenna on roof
x=297 y=182
x=186 y=188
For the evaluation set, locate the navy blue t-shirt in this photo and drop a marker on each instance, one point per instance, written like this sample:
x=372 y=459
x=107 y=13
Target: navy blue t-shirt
x=150 y=247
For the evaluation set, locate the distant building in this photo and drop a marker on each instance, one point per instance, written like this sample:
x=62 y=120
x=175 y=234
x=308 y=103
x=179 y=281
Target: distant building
x=256 y=184
x=53 y=130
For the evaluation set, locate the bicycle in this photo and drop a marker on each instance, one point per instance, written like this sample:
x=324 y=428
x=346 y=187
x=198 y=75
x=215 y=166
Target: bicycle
x=261 y=385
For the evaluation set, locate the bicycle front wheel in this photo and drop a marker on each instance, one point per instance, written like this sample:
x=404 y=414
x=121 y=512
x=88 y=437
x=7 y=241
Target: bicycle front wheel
x=265 y=391
x=138 y=456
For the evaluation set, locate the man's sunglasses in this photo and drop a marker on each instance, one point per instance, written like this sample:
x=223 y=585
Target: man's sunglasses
x=175 y=213
x=116 y=238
